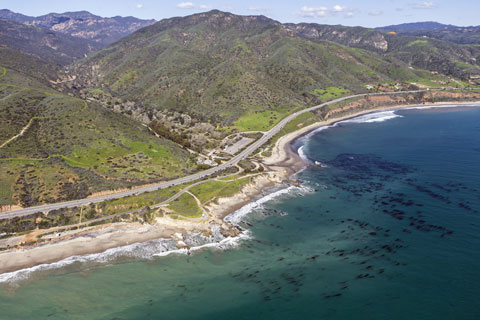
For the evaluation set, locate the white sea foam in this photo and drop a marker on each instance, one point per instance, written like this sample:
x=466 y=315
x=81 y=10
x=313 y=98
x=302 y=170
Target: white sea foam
x=226 y=243
x=302 y=154
x=165 y=247
x=313 y=132
x=237 y=217
x=143 y=250
x=442 y=106
x=379 y=116
x=170 y=252
x=373 y=117
x=161 y=247
x=220 y=244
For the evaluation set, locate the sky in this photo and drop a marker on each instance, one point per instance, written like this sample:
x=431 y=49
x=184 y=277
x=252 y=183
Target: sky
x=366 y=13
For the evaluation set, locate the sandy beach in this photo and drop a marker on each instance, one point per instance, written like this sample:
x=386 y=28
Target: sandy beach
x=281 y=164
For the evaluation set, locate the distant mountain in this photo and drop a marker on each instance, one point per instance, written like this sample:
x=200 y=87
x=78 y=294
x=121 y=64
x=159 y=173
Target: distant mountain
x=451 y=33
x=82 y=24
x=13 y=16
x=39 y=52
x=416 y=26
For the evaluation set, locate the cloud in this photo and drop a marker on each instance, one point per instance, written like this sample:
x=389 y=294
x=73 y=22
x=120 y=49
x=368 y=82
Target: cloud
x=191 y=5
x=256 y=9
x=320 y=12
x=185 y=5
x=313 y=12
x=376 y=13
x=424 y=5
x=139 y=6
x=339 y=8
x=348 y=15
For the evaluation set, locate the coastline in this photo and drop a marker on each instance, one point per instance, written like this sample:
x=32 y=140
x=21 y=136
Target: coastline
x=284 y=157
x=282 y=163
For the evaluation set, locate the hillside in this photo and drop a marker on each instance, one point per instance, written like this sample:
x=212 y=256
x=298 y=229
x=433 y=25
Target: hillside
x=39 y=52
x=423 y=53
x=220 y=67
x=54 y=147
x=82 y=24
x=193 y=80
x=435 y=30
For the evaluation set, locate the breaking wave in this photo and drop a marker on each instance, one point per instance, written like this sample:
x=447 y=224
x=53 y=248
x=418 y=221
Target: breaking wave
x=373 y=117
x=302 y=154
x=161 y=247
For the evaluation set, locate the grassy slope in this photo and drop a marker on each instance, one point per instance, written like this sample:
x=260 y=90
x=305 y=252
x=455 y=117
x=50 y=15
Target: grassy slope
x=208 y=191
x=226 y=68
x=185 y=206
x=72 y=148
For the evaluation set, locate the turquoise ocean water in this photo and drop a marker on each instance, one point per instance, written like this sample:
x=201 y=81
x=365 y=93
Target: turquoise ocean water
x=389 y=229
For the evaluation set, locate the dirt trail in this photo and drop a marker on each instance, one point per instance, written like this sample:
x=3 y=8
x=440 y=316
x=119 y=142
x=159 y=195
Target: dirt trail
x=21 y=133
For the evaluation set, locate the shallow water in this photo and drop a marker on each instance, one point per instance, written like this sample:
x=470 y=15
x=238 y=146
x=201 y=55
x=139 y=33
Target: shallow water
x=389 y=230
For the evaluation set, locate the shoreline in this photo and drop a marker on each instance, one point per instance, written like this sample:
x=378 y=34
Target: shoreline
x=282 y=164
x=283 y=155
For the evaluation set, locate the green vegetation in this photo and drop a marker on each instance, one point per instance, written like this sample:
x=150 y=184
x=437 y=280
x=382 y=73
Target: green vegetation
x=237 y=76
x=208 y=191
x=143 y=200
x=299 y=122
x=71 y=149
x=429 y=83
x=185 y=206
x=196 y=79
x=259 y=121
x=331 y=93
x=418 y=43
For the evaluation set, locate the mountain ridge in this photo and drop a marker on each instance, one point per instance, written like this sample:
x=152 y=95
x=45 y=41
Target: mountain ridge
x=215 y=60
x=423 y=25
x=435 y=30
x=82 y=24
x=39 y=52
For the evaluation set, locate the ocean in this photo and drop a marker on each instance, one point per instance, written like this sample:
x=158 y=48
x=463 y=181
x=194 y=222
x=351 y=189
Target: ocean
x=387 y=228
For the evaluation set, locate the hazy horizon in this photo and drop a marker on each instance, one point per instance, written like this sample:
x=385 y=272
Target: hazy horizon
x=368 y=13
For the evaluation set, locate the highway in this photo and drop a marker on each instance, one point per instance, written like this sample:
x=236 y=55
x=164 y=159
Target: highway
x=197 y=176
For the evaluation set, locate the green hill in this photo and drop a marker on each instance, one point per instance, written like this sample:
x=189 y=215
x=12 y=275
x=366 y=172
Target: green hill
x=219 y=67
x=55 y=147
x=193 y=80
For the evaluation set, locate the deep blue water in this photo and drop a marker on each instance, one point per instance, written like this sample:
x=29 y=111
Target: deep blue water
x=390 y=229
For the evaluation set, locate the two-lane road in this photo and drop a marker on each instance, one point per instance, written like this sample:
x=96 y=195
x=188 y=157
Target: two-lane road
x=197 y=176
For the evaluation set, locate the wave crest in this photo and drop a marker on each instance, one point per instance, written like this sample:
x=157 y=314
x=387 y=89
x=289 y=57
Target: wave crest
x=373 y=117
